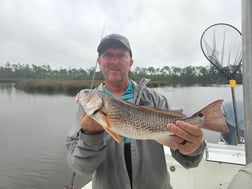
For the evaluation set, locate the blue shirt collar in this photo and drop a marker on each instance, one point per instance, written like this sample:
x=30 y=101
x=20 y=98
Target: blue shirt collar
x=127 y=95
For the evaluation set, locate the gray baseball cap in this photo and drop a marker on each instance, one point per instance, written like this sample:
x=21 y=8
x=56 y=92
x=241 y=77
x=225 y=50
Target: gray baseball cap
x=112 y=39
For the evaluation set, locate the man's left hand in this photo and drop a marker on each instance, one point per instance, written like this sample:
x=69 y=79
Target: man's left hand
x=188 y=137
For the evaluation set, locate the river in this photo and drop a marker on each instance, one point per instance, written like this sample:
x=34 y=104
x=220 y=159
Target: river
x=33 y=128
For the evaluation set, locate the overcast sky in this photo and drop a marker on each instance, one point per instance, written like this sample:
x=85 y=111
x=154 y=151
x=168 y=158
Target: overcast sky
x=65 y=33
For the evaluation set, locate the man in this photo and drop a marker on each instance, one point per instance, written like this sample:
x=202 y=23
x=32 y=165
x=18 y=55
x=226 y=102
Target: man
x=136 y=164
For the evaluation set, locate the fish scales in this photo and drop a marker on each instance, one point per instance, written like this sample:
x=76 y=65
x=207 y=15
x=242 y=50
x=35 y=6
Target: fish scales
x=120 y=118
x=145 y=123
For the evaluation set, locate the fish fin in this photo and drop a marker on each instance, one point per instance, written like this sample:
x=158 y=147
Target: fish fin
x=112 y=133
x=165 y=112
x=175 y=113
x=211 y=117
x=107 y=121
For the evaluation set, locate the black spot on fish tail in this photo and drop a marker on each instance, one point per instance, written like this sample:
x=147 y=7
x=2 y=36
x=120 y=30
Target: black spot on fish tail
x=201 y=114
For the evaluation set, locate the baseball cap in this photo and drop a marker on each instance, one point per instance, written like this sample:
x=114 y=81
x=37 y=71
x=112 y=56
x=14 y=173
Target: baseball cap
x=114 y=39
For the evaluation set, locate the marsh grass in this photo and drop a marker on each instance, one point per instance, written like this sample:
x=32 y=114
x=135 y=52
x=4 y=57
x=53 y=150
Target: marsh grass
x=52 y=86
x=69 y=87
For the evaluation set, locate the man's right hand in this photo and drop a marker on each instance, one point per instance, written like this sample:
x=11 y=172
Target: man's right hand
x=89 y=126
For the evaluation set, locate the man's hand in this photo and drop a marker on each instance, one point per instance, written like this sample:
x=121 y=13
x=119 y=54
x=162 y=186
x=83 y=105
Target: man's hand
x=89 y=126
x=187 y=137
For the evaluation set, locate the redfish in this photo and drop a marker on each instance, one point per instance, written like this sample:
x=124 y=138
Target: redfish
x=121 y=118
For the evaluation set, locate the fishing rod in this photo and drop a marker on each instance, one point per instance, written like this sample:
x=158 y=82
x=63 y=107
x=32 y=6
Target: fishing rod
x=91 y=87
x=221 y=44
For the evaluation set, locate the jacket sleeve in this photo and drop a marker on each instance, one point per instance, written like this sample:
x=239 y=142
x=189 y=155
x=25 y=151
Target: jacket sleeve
x=192 y=160
x=85 y=152
x=187 y=161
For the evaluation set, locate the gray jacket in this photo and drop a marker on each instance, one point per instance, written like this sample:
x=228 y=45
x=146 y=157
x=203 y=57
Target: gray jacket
x=102 y=158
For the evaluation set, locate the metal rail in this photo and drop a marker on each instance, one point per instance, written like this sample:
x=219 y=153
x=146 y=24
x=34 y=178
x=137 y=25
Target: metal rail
x=246 y=6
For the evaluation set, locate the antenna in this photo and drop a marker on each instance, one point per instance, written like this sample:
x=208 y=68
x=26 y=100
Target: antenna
x=92 y=85
x=92 y=82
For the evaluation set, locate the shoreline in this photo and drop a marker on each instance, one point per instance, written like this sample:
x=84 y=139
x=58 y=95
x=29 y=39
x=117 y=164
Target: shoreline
x=69 y=87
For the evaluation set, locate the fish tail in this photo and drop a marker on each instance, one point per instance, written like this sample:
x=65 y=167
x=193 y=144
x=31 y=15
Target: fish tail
x=211 y=118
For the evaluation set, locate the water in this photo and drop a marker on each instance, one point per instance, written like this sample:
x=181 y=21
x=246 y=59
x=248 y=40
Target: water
x=34 y=127
x=32 y=139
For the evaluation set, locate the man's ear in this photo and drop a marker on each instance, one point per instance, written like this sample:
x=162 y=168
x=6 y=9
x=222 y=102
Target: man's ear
x=98 y=60
x=131 y=62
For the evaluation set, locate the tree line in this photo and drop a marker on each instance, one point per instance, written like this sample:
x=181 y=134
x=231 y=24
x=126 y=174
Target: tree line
x=169 y=75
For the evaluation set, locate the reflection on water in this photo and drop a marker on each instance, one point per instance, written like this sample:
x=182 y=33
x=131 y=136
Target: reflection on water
x=7 y=87
x=33 y=130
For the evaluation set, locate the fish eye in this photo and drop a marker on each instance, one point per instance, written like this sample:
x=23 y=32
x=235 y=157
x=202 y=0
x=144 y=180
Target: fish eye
x=85 y=91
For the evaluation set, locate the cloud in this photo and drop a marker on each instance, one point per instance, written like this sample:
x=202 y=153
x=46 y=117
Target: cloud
x=65 y=33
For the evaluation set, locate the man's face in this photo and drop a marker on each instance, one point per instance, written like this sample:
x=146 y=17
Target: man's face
x=115 y=63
